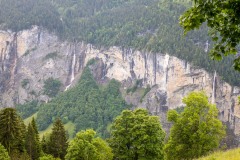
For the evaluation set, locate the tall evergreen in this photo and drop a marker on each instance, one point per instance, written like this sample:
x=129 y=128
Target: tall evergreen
x=32 y=141
x=58 y=144
x=11 y=130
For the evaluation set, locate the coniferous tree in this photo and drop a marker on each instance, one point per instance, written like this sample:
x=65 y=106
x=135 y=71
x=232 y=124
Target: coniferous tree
x=32 y=141
x=11 y=130
x=58 y=144
x=44 y=144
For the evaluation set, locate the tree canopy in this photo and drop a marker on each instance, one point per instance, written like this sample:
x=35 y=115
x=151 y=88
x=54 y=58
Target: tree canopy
x=222 y=16
x=57 y=144
x=137 y=135
x=86 y=146
x=146 y=25
x=3 y=153
x=12 y=130
x=196 y=131
x=87 y=105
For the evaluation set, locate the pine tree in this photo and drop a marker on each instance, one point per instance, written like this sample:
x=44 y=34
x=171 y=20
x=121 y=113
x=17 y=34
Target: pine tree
x=32 y=141
x=11 y=130
x=58 y=144
x=44 y=144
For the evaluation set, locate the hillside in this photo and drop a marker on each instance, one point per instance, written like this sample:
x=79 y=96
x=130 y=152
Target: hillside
x=146 y=25
x=232 y=154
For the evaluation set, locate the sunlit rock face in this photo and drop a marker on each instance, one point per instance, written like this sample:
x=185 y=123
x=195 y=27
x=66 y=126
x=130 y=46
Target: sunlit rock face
x=34 y=55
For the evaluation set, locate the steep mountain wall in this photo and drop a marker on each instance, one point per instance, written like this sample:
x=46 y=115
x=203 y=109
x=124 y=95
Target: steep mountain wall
x=32 y=56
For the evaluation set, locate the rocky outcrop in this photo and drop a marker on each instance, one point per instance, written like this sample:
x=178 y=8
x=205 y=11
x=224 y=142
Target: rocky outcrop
x=34 y=55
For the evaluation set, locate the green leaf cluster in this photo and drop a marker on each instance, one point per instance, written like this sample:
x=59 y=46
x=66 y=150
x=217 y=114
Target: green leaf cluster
x=3 y=153
x=137 y=135
x=196 y=131
x=51 y=87
x=222 y=17
x=86 y=146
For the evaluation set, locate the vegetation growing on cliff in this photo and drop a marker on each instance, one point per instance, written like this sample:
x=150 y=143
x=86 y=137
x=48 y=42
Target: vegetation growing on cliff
x=86 y=105
x=148 y=25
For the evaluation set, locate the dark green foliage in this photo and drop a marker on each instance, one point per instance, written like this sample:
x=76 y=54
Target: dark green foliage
x=51 y=55
x=24 y=83
x=32 y=141
x=12 y=131
x=135 y=86
x=18 y=15
x=27 y=109
x=85 y=146
x=196 y=131
x=223 y=19
x=3 y=153
x=148 y=25
x=137 y=135
x=86 y=105
x=145 y=92
x=51 y=87
x=57 y=145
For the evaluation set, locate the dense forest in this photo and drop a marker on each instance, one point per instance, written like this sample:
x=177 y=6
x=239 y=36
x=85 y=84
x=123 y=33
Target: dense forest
x=132 y=135
x=87 y=105
x=147 y=25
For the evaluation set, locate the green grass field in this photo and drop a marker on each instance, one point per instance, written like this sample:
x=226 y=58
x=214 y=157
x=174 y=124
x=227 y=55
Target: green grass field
x=233 y=154
x=69 y=127
x=29 y=119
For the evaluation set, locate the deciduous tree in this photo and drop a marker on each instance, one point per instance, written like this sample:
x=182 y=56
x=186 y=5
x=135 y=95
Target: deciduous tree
x=137 y=135
x=3 y=153
x=86 y=147
x=222 y=16
x=196 y=131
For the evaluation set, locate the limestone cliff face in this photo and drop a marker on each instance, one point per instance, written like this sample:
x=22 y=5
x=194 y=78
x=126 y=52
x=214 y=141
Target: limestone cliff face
x=35 y=55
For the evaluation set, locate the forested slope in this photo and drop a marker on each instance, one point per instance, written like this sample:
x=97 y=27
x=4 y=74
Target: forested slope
x=87 y=105
x=148 y=25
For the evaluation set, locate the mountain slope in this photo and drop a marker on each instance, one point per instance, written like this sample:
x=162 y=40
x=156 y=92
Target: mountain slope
x=146 y=25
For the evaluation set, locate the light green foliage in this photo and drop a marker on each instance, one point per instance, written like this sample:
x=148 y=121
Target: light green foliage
x=86 y=105
x=48 y=157
x=196 y=131
x=51 y=87
x=57 y=144
x=3 y=153
x=12 y=130
x=137 y=135
x=85 y=146
x=223 y=19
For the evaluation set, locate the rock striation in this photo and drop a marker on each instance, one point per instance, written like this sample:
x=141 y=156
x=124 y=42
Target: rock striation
x=29 y=57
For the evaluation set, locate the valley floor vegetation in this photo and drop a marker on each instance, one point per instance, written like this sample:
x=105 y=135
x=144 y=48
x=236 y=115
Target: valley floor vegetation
x=135 y=135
